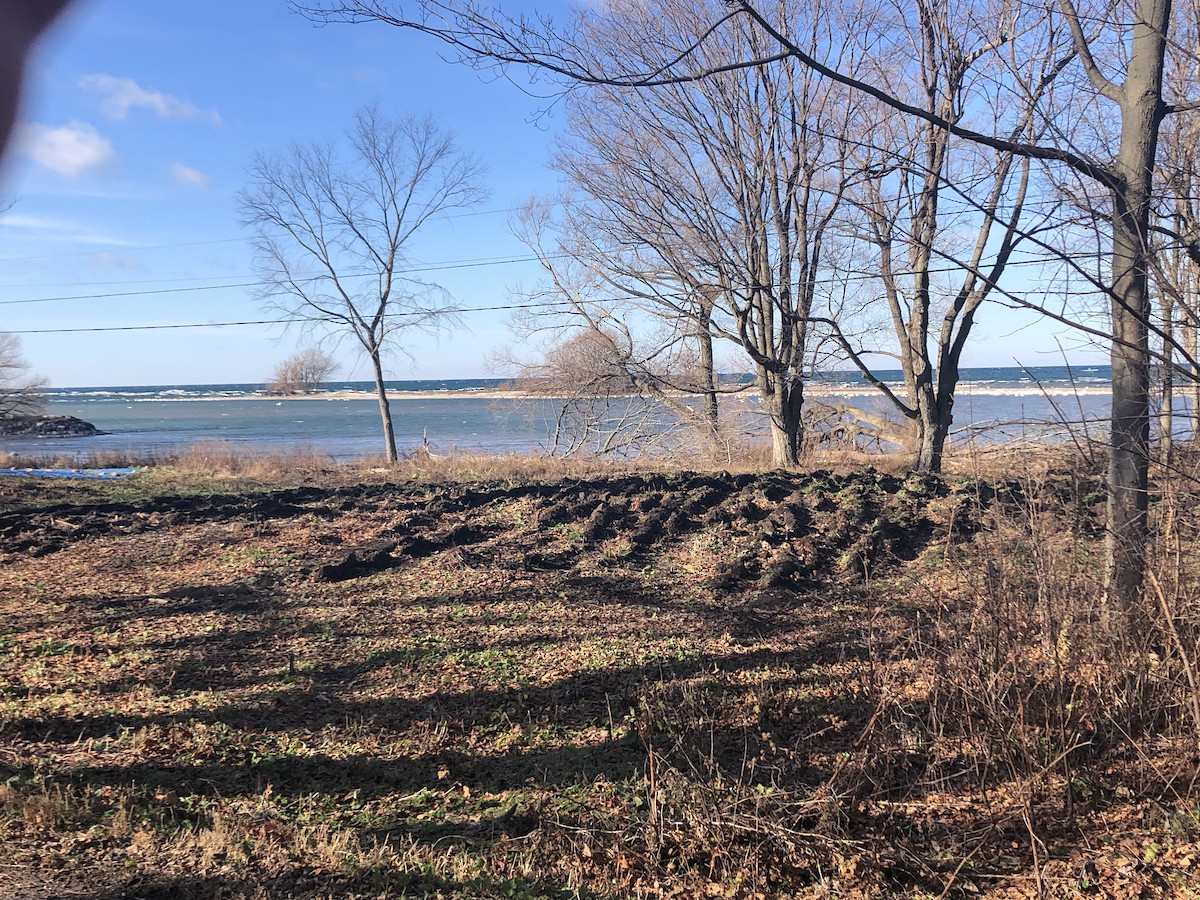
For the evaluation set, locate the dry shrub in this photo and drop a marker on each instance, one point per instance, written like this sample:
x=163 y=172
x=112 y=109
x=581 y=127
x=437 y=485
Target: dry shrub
x=508 y=467
x=1030 y=460
x=39 y=807
x=717 y=809
x=226 y=458
x=92 y=459
x=1034 y=696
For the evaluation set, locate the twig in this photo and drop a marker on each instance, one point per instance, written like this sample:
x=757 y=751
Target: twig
x=1183 y=654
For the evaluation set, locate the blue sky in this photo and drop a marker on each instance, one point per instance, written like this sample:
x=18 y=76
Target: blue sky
x=139 y=123
x=136 y=132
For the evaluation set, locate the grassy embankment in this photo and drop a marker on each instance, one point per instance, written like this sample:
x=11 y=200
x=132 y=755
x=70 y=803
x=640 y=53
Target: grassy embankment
x=516 y=678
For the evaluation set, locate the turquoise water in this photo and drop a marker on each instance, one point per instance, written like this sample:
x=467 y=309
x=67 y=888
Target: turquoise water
x=997 y=404
x=141 y=422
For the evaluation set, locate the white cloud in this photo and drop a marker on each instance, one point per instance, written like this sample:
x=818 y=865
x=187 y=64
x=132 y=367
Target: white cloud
x=189 y=176
x=370 y=76
x=120 y=95
x=33 y=223
x=69 y=149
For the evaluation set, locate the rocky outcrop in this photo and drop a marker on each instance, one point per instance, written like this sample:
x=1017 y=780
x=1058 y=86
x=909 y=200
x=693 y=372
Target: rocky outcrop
x=46 y=426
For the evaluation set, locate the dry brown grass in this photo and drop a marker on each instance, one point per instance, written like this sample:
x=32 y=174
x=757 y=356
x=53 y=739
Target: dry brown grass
x=558 y=683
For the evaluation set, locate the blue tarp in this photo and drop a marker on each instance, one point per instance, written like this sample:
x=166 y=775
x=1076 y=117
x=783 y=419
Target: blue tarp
x=68 y=473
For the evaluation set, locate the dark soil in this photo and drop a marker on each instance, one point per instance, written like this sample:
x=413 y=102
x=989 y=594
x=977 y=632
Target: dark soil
x=799 y=529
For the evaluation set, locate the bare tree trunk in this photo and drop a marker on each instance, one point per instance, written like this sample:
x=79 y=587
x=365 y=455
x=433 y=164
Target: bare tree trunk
x=784 y=401
x=385 y=409
x=708 y=384
x=933 y=428
x=1128 y=476
x=1129 y=460
x=1166 y=412
x=1192 y=343
x=1189 y=339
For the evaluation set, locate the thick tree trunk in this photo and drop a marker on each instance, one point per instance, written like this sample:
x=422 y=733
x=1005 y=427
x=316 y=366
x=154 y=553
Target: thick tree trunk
x=938 y=408
x=932 y=432
x=1129 y=459
x=1129 y=454
x=934 y=407
x=385 y=409
x=784 y=402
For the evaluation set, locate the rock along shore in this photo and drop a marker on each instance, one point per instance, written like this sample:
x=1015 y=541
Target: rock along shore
x=46 y=426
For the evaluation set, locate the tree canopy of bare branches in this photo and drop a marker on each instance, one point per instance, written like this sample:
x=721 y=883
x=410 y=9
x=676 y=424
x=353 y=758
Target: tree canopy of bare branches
x=1104 y=130
x=600 y=398
x=303 y=372
x=333 y=227
x=708 y=207
x=21 y=393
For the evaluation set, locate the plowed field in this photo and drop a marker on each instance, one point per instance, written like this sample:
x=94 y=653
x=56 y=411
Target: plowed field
x=639 y=685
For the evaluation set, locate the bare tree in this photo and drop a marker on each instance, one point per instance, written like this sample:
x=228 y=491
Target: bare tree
x=664 y=320
x=942 y=217
x=302 y=372
x=333 y=228
x=21 y=394
x=1177 y=224
x=601 y=400
x=709 y=206
x=1118 y=49
x=664 y=356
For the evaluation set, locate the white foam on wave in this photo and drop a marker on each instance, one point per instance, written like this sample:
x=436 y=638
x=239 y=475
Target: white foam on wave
x=975 y=389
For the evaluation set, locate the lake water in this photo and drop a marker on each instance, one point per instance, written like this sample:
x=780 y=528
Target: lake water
x=994 y=404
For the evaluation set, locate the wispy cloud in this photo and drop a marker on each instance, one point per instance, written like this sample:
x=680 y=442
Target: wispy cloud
x=189 y=176
x=51 y=228
x=32 y=223
x=120 y=95
x=371 y=76
x=70 y=149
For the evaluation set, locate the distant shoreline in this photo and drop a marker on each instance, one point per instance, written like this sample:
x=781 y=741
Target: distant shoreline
x=489 y=393
x=813 y=390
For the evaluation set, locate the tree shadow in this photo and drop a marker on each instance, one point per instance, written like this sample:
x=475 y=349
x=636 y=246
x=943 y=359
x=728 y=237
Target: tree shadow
x=305 y=885
x=312 y=726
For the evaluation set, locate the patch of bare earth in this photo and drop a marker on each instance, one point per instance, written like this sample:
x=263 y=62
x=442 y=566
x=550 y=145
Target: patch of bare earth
x=640 y=685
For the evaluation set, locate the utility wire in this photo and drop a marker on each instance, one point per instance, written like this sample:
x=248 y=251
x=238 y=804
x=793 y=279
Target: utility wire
x=244 y=276
x=401 y=315
x=830 y=282
x=437 y=267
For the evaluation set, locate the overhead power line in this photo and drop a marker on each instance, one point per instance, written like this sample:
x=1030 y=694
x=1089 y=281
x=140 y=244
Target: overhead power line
x=831 y=282
x=433 y=267
x=473 y=264
x=292 y=321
